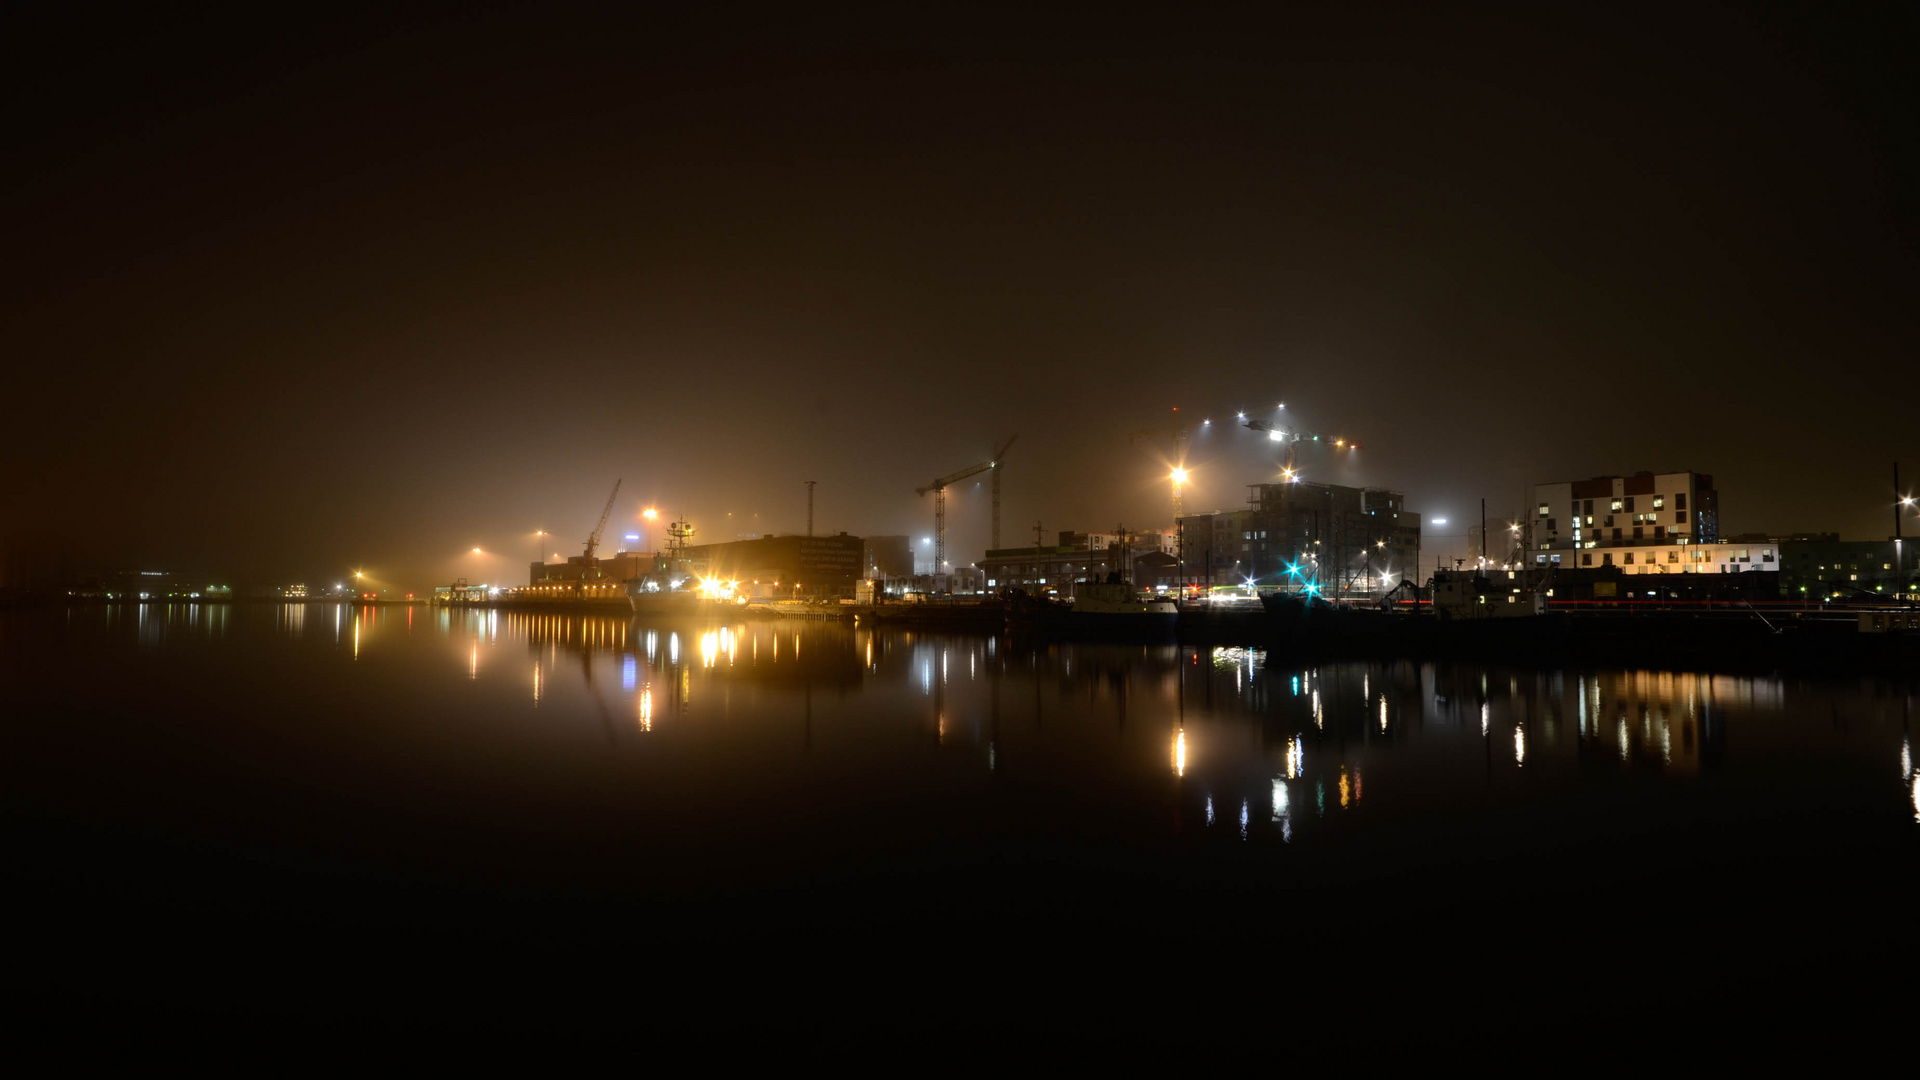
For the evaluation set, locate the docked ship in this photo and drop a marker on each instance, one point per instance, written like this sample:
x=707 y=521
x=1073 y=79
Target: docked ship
x=675 y=587
x=1100 y=609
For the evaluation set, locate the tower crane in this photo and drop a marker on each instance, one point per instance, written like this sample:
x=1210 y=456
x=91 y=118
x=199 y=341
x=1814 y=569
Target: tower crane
x=593 y=542
x=1290 y=440
x=939 y=489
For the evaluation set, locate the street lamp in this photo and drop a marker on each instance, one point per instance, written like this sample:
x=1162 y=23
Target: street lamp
x=649 y=514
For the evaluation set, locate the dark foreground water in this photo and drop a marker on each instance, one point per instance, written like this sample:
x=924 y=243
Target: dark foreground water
x=352 y=816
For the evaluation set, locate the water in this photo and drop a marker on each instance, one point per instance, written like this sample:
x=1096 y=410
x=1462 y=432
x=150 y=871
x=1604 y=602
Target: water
x=350 y=789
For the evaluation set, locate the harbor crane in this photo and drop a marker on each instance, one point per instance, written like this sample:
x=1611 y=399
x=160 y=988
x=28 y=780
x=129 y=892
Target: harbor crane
x=593 y=542
x=939 y=489
x=1290 y=440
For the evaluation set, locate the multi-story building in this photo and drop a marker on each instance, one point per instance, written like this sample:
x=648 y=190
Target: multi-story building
x=1824 y=567
x=1347 y=540
x=1625 y=511
x=1647 y=523
x=887 y=557
x=1077 y=557
x=1164 y=540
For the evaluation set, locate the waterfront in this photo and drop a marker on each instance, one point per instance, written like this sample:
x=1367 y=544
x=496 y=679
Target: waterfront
x=296 y=798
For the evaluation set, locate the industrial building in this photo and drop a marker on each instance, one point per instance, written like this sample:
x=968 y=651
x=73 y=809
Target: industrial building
x=1343 y=541
x=1078 y=557
x=784 y=566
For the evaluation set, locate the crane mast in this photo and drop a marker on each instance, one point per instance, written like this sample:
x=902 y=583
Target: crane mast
x=939 y=489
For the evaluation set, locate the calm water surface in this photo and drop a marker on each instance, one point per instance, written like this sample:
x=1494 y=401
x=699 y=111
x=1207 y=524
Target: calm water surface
x=335 y=776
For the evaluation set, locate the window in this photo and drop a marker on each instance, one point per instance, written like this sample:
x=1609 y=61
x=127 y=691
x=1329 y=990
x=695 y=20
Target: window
x=1576 y=508
x=1617 y=505
x=1609 y=520
x=1589 y=509
x=1659 y=532
x=1606 y=558
x=1629 y=502
x=1556 y=561
x=1673 y=555
x=1637 y=531
x=1680 y=501
x=1553 y=524
x=1659 y=502
x=1629 y=558
x=1543 y=509
x=1586 y=558
x=1616 y=534
x=1766 y=556
x=1589 y=519
x=1679 y=517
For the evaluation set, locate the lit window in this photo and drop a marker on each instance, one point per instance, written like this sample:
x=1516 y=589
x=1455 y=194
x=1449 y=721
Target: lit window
x=1617 y=505
x=1543 y=509
x=1659 y=502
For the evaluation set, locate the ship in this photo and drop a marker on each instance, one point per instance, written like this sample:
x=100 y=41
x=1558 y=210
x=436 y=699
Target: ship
x=1111 y=608
x=675 y=587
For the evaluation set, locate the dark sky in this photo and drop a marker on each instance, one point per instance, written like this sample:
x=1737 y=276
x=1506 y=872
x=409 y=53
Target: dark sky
x=292 y=292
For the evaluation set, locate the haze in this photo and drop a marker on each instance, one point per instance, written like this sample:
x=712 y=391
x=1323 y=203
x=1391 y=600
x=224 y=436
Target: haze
x=286 y=298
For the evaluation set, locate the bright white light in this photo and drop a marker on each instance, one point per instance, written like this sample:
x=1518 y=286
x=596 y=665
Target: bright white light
x=1439 y=521
x=1275 y=434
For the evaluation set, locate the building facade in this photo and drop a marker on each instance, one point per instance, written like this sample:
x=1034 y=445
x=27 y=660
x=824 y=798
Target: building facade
x=1825 y=567
x=1647 y=523
x=887 y=557
x=1343 y=541
x=1077 y=557
x=801 y=566
x=1624 y=511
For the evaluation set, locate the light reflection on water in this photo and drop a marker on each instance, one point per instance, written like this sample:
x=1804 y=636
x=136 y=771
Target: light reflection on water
x=1235 y=724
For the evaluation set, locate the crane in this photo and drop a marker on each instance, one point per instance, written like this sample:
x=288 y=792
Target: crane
x=939 y=489
x=593 y=542
x=1291 y=439
x=1180 y=433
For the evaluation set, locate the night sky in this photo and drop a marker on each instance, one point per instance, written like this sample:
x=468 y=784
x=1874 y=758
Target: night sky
x=290 y=293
